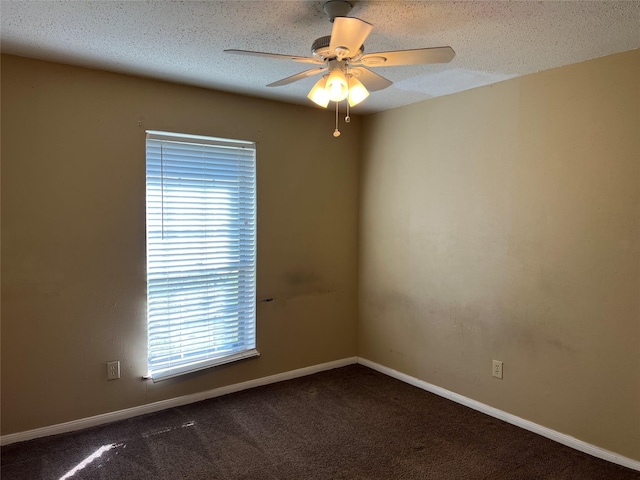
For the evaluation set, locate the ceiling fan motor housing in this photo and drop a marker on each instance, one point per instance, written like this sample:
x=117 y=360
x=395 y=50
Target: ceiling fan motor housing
x=320 y=49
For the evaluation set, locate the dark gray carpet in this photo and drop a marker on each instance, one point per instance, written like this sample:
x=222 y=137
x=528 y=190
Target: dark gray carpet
x=349 y=423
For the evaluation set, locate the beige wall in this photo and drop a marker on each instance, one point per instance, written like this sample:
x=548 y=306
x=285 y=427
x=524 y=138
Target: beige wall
x=73 y=244
x=504 y=223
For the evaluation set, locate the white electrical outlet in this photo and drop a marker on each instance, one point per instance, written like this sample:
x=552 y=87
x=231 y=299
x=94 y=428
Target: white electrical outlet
x=497 y=369
x=113 y=370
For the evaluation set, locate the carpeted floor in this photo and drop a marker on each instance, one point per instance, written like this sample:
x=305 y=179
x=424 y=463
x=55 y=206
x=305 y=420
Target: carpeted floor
x=348 y=423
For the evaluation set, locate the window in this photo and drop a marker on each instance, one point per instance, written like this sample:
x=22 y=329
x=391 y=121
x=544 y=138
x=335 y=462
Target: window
x=201 y=252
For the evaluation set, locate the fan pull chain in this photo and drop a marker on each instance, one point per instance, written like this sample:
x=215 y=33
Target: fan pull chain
x=347 y=119
x=336 y=132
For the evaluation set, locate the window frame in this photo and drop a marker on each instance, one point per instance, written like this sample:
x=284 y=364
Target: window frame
x=246 y=245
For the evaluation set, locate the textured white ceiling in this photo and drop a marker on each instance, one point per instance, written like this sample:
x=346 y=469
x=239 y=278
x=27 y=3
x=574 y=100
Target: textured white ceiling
x=183 y=41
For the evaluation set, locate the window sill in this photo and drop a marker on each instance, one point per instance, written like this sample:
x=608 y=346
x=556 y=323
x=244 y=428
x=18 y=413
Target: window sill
x=195 y=367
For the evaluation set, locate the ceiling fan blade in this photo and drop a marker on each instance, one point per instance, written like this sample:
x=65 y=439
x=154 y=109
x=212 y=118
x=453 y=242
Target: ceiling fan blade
x=372 y=81
x=348 y=35
x=277 y=56
x=408 y=57
x=296 y=77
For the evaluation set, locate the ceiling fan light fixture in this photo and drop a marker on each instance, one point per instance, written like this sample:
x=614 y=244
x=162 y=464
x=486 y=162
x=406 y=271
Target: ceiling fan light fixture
x=319 y=93
x=357 y=92
x=341 y=56
x=337 y=86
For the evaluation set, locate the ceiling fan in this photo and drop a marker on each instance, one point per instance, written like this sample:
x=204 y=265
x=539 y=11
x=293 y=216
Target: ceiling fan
x=344 y=66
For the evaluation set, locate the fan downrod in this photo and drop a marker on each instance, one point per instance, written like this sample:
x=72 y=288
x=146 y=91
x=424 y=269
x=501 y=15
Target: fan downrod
x=337 y=8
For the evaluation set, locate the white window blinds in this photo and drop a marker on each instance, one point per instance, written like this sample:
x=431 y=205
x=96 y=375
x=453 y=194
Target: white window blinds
x=201 y=252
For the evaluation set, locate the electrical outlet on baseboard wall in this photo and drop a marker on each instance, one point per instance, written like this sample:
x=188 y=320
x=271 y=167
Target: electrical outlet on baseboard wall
x=496 y=370
x=113 y=370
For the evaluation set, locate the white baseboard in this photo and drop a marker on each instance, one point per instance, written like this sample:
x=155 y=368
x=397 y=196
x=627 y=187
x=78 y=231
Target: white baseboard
x=172 y=402
x=562 y=438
